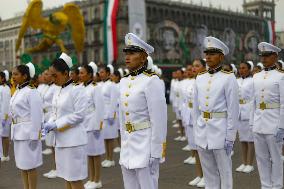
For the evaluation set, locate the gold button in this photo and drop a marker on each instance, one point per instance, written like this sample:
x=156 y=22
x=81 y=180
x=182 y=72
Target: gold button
x=206 y=119
x=264 y=78
x=207 y=97
x=206 y=104
x=129 y=86
x=126 y=104
x=127 y=113
x=127 y=95
x=132 y=78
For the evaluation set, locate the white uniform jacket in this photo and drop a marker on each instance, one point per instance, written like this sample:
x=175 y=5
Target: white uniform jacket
x=110 y=99
x=95 y=107
x=5 y=96
x=187 y=101
x=215 y=93
x=245 y=97
x=69 y=105
x=27 y=113
x=268 y=88
x=142 y=100
x=47 y=97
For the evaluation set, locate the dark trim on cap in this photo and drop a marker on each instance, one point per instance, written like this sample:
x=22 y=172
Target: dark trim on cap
x=213 y=50
x=267 y=53
x=133 y=48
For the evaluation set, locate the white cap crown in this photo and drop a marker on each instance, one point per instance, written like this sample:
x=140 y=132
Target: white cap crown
x=67 y=59
x=212 y=43
x=133 y=40
x=31 y=69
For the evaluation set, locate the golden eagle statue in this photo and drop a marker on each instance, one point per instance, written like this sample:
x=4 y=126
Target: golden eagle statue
x=57 y=23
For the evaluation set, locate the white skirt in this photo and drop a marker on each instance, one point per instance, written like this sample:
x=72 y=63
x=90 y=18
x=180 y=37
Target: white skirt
x=71 y=163
x=96 y=144
x=28 y=154
x=245 y=132
x=190 y=137
x=50 y=139
x=5 y=131
x=110 y=130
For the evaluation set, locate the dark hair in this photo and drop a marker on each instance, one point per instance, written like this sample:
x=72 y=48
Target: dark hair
x=75 y=69
x=3 y=76
x=89 y=69
x=106 y=68
x=60 y=65
x=24 y=70
x=202 y=62
x=117 y=73
x=246 y=63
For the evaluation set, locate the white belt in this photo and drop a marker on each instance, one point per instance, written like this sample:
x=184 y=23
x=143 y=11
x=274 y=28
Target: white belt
x=210 y=115
x=21 y=120
x=131 y=127
x=264 y=106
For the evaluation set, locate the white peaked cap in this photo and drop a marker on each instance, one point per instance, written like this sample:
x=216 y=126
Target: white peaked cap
x=150 y=63
x=183 y=69
x=7 y=75
x=267 y=47
x=260 y=65
x=67 y=59
x=31 y=69
x=282 y=63
x=251 y=65
x=212 y=43
x=111 y=68
x=234 y=68
x=94 y=67
x=120 y=70
x=126 y=71
x=159 y=71
x=79 y=68
x=133 y=42
x=155 y=68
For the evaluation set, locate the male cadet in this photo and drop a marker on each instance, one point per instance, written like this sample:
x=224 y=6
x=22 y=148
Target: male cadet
x=267 y=118
x=143 y=118
x=215 y=111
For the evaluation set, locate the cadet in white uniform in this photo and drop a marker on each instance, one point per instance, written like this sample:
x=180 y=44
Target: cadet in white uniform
x=267 y=118
x=47 y=97
x=27 y=114
x=93 y=123
x=110 y=100
x=69 y=106
x=143 y=116
x=245 y=131
x=216 y=108
x=5 y=96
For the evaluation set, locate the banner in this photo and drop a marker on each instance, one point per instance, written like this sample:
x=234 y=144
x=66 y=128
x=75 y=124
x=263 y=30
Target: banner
x=137 y=18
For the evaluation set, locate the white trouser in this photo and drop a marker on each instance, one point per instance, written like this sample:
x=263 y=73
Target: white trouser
x=268 y=156
x=140 y=178
x=217 y=168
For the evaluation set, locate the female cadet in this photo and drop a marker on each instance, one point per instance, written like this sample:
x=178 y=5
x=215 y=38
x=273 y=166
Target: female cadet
x=5 y=96
x=143 y=117
x=245 y=133
x=115 y=78
x=69 y=106
x=93 y=123
x=47 y=109
x=27 y=115
x=110 y=101
x=199 y=66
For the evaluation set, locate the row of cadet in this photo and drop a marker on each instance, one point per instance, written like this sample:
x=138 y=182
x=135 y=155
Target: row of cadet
x=259 y=123
x=99 y=129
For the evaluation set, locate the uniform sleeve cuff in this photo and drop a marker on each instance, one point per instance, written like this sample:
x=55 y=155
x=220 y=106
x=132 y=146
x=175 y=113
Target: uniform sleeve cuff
x=156 y=150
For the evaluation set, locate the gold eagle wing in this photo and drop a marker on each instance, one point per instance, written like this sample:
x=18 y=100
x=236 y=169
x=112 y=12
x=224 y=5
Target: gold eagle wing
x=32 y=18
x=76 y=23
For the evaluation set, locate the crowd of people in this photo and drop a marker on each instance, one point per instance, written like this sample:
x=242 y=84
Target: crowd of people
x=82 y=113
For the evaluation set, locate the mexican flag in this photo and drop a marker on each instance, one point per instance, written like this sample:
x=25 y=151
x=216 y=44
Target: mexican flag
x=110 y=31
x=269 y=31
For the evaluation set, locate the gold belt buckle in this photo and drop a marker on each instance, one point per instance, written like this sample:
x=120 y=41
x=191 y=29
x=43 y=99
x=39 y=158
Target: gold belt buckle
x=207 y=115
x=190 y=105
x=129 y=127
x=262 y=106
x=242 y=101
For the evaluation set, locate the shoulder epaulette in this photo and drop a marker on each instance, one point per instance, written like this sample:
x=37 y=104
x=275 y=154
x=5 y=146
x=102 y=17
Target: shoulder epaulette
x=149 y=73
x=280 y=70
x=202 y=72
x=226 y=72
x=32 y=86
x=75 y=83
